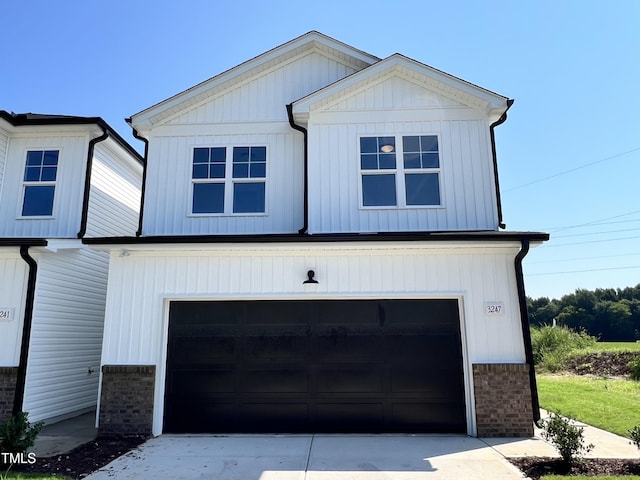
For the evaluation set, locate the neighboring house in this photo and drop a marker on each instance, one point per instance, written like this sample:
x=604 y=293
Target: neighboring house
x=62 y=179
x=319 y=251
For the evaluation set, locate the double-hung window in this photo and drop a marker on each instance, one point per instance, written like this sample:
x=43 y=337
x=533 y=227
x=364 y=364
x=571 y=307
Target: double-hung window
x=400 y=171
x=39 y=183
x=229 y=180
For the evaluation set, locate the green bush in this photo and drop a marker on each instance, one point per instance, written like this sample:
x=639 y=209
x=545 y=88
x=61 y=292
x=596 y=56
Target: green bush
x=634 y=365
x=552 y=345
x=634 y=434
x=566 y=437
x=17 y=435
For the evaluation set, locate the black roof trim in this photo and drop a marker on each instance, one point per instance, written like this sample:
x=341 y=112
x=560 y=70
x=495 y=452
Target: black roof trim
x=19 y=242
x=331 y=237
x=24 y=119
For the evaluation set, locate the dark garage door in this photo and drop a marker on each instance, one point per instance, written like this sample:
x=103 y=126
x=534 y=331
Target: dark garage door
x=314 y=366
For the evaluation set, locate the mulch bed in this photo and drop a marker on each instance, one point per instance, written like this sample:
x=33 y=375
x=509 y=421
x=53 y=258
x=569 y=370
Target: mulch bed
x=83 y=460
x=602 y=364
x=536 y=467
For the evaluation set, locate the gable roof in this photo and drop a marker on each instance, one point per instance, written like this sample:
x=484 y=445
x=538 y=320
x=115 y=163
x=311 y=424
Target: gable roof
x=308 y=42
x=492 y=104
x=39 y=119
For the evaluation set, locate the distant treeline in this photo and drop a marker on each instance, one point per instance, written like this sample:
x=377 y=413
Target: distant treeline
x=607 y=313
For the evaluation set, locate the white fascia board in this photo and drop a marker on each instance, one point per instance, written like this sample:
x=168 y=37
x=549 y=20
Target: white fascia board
x=55 y=244
x=440 y=82
x=304 y=248
x=144 y=120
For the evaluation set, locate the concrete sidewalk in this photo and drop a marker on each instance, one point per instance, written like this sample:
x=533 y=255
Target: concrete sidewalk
x=64 y=436
x=311 y=457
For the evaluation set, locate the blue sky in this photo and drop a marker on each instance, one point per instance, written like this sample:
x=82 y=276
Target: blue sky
x=569 y=153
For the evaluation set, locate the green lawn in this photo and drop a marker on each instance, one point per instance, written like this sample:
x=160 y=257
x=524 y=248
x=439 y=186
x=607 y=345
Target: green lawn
x=613 y=405
x=612 y=347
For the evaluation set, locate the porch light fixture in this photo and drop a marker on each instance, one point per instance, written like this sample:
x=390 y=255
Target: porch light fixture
x=310 y=279
x=386 y=148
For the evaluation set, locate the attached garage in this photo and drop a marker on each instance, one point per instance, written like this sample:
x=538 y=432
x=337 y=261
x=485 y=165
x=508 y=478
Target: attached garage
x=299 y=366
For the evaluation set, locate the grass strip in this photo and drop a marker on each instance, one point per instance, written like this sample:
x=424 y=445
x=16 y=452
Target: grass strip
x=609 y=404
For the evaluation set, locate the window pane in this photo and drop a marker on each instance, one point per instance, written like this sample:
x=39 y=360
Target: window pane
x=411 y=144
x=32 y=174
x=48 y=174
x=200 y=171
x=38 y=200
x=51 y=157
x=369 y=162
x=430 y=160
x=387 y=161
x=216 y=170
x=422 y=189
x=34 y=158
x=241 y=170
x=240 y=154
x=385 y=142
x=248 y=197
x=411 y=160
x=429 y=143
x=200 y=155
x=258 y=170
x=368 y=145
x=378 y=190
x=258 y=154
x=208 y=198
x=219 y=154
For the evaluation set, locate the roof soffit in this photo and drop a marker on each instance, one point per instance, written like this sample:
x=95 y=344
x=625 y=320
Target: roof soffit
x=490 y=103
x=312 y=42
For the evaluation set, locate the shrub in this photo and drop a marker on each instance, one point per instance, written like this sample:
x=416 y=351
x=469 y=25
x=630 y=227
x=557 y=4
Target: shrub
x=634 y=434
x=634 y=365
x=552 y=345
x=17 y=435
x=566 y=437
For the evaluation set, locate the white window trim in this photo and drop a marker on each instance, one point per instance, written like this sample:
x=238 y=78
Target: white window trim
x=228 y=181
x=399 y=172
x=31 y=183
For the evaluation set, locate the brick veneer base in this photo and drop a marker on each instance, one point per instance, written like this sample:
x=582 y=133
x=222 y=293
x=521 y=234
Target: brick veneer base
x=503 y=400
x=8 y=380
x=126 y=400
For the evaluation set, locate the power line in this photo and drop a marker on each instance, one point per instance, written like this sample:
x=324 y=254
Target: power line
x=590 y=241
x=593 y=222
x=581 y=271
x=585 y=258
x=597 y=233
x=573 y=169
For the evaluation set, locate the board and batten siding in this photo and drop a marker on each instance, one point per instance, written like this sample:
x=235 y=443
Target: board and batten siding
x=142 y=283
x=114 y=198
x=168 y=192
x=66 y=336
x=263 y=98
x=4 y=145
x=14 y=273
x=67 y=203
x=394 y=106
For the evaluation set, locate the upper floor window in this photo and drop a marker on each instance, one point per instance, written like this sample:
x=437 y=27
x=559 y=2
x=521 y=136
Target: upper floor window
x=39 y=183
x=230 y=181
x=400 y=171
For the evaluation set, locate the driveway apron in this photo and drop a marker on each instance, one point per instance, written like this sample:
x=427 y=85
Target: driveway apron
x=311 y=457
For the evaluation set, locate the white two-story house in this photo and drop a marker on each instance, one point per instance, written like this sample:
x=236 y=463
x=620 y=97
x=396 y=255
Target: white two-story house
x=62 y=179
x=319 y=250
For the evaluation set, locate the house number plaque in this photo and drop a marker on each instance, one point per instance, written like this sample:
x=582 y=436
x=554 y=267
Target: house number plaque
x=6 y=314
x=494 y=308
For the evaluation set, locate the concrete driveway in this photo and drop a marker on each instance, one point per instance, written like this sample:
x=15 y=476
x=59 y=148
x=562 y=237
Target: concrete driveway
x=312 y=457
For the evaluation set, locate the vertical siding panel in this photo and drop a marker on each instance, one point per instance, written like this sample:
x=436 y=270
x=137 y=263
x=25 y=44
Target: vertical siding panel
x=4 y=146
x=67 y=202
x=66 y=337
x=13 y=287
